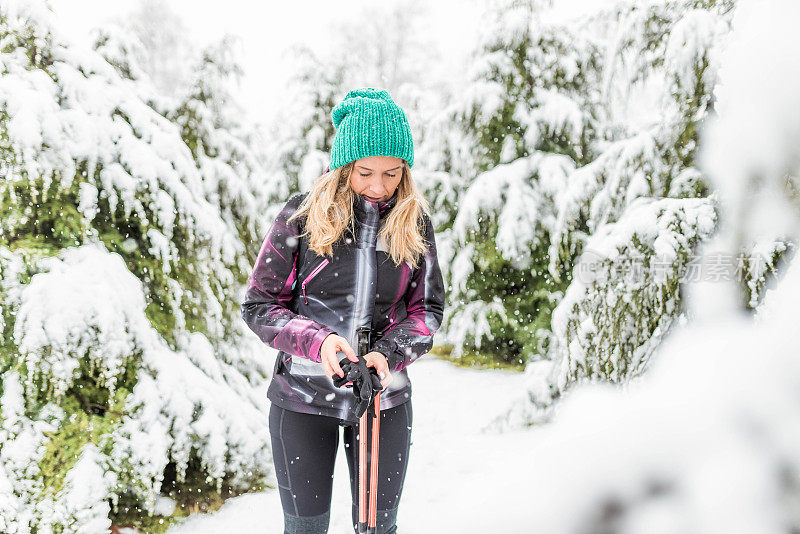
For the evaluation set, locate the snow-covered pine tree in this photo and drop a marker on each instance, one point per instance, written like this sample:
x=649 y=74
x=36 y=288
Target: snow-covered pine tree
x=585 y=131
x=720 y=394
x=638 y=212
x=224 y=150
x=527 y=112
x=122 y=363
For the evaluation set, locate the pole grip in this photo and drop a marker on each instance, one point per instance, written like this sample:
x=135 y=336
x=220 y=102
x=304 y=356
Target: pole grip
x=364 y=334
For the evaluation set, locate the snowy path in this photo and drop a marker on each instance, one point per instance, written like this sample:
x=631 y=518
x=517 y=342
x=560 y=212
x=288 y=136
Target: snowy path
x=451 y=464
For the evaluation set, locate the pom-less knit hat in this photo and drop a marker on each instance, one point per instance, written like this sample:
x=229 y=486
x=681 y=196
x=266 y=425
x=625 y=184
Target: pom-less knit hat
x=369 y=123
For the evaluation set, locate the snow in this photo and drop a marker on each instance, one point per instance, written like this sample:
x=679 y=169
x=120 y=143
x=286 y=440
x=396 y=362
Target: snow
x=768 y=129
x=620 y=278
x=21 y=448
x=59 y=322
x=473 y=324
x=762 y=135
x=229 y=435
x=518 y=192
x=750 y=151
x=82 y=504
x=718 y=400
x=59 y=318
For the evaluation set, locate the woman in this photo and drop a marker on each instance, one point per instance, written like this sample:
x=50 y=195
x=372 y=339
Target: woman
x=358 y=250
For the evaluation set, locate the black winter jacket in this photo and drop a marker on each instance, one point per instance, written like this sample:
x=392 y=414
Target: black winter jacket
x=296 y=298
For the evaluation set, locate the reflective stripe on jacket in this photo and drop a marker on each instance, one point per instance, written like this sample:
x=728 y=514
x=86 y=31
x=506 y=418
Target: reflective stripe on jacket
x=359 y=285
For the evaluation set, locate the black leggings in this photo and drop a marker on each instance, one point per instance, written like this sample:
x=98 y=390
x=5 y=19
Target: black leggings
x=304 y=450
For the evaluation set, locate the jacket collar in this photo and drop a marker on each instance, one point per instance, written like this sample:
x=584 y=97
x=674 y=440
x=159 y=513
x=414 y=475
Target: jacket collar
x=362 y=206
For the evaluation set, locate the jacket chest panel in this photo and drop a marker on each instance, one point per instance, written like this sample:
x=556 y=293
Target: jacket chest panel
x=392 y=281
x=331 y=280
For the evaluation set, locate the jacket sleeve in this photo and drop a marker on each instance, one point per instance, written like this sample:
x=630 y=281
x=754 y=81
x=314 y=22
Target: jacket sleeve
x=266 y=304
x=412 y=337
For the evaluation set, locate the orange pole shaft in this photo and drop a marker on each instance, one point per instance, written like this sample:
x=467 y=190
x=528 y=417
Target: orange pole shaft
x=373 y=471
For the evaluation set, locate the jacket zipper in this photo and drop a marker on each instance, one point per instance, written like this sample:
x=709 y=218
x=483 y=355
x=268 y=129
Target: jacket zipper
x=311 y=275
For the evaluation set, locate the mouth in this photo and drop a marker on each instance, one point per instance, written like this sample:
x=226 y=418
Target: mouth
x=371 y=198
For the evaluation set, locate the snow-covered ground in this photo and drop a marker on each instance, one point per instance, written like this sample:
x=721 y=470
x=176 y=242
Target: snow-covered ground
x=449 y=458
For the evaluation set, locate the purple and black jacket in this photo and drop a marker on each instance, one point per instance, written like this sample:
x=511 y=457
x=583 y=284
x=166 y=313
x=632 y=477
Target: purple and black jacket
x=359 y=285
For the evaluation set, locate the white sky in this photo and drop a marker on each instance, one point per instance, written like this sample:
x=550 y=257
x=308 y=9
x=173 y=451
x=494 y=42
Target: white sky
x=266 y=28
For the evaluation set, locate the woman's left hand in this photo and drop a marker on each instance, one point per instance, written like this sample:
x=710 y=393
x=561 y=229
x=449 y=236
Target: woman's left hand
x=378 y=361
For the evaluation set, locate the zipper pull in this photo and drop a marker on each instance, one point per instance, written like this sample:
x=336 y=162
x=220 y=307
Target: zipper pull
x=310 y=276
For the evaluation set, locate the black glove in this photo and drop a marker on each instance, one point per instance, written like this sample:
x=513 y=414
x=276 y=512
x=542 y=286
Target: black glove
x=366 y=383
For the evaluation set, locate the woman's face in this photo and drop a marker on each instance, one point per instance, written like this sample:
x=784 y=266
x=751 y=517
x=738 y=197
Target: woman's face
x=376 y=177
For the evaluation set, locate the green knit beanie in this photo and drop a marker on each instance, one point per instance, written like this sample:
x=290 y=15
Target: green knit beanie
x=369 y=123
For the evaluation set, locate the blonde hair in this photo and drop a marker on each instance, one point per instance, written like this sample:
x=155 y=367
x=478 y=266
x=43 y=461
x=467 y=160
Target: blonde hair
x=328 y=211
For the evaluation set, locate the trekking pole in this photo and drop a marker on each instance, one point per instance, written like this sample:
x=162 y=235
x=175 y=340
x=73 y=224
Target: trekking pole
x=367 y=519
x=362 y=473
x=363 y=348
x=373 y=475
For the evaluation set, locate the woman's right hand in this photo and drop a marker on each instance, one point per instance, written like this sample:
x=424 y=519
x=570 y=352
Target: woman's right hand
x=331 y=346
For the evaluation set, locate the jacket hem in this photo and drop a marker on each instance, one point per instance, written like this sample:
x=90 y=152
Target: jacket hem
x=297 y=405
